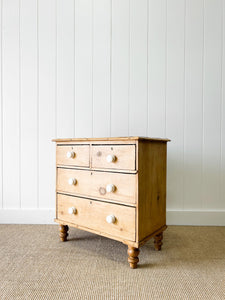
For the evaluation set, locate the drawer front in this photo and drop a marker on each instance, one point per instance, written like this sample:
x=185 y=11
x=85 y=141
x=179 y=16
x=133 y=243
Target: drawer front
x=92 y=214
x=113 y=157
x=73 y=155
x=97 y=184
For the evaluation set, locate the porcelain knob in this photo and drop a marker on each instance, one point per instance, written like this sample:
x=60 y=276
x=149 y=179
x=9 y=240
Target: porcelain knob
x=111 y=219
x=72 y=210
x=110 y=158
x=72 y=181
x=70 y=154
x=110 y=188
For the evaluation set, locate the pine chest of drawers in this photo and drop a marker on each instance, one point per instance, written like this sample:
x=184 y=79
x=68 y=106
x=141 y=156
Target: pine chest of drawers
x=114 y=187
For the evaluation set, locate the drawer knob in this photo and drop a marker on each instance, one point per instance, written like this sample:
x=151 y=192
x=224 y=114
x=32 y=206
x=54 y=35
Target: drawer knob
x=72 y=181
x=110 y=158
x=70 y=154
x=111 y=219
x=72 y=210
x=110 y=188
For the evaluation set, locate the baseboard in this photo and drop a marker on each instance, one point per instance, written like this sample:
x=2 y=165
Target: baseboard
x=174 y=217
x=195 y=218
x=27 y=216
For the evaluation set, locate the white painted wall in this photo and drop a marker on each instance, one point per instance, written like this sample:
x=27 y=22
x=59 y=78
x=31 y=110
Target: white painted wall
x=83 y=68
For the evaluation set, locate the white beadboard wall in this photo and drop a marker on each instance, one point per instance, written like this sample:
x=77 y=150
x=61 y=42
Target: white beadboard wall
x=95 y=68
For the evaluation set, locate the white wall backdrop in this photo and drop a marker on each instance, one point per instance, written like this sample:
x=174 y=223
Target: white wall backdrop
x=83 y=68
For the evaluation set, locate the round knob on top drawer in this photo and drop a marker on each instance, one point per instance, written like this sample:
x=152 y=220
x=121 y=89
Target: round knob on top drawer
x=70 y=154
x=111 y=219
x=110 y=158
x=72 y=181
x=72 y=210
x=110 y=188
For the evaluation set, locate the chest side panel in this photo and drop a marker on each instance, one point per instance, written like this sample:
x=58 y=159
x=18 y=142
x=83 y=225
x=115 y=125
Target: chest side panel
x=151 y=187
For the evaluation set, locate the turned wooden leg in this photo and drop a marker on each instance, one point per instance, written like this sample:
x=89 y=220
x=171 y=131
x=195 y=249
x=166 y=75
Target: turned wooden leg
x=158 y=241
x=133 y=256
x=63 y=232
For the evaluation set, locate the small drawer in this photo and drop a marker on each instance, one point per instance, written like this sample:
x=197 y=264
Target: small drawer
x=111 y=186
x=116 y=220
x=113 y=157
x=73 y=155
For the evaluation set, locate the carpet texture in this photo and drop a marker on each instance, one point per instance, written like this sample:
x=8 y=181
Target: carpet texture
x=36 y=265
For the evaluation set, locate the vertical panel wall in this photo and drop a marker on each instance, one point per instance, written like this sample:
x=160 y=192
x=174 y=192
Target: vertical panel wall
x=47 y=100
x=175 y=100
x=222 y=165
x=120 y=72
x=1 y=114
x=100 y=68
x=138 y=69
x=193 y=112
x=11 y=104
x=101 y=71
x=84 y=67
x=29 y=103
x=65 y=67
x=212 y=103
x=157 y=67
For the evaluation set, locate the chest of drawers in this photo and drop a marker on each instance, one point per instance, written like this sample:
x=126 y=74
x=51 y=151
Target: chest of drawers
x=114 y=187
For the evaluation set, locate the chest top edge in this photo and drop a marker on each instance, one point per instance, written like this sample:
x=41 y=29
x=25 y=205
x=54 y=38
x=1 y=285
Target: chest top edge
x=110 y=139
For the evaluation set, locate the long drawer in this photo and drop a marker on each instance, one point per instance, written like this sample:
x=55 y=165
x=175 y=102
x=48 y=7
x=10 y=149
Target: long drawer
x=97 y=215
x=112 y=186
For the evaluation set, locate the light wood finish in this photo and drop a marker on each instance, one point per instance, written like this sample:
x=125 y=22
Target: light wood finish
x=105 y=234
x=143 y=241
x=124 y=157
x=151 y=188
x=158 y=241
x=93 y=184
x=81 y=158
x=63 y=232
x=137 y=180
x=92 y=214
x=133 y=256
x=119 y=139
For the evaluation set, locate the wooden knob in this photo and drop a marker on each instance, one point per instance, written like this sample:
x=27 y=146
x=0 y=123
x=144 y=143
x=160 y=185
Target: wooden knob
x=72 y=181
x=110 y=188
x=111 y=219
x=72 y=210
x=70 y=154
x=110 y=158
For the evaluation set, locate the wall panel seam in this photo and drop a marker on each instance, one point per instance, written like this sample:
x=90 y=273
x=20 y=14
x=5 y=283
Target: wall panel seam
x=166 y=67
x=129 y=58
x=203 y=94
x=147 y=62
x=1 y=108
x=222 y=100
x=110 y=97
x=20 y=120
x=92 y=67
x=74 y=70
x=184 y=95
x=56 y=66
x=38 y=115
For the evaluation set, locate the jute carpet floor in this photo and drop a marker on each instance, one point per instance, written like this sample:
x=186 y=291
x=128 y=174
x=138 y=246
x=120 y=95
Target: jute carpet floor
x=36 y=265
